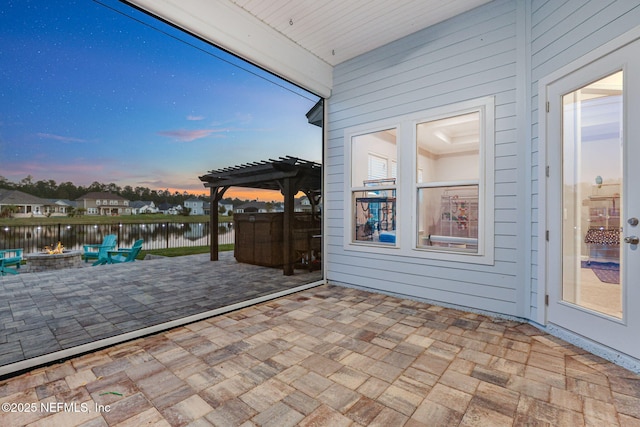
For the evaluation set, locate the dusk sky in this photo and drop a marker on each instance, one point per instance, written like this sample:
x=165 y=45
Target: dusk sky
x=89 y=93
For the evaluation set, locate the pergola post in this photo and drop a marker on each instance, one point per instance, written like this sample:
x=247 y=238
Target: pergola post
x=287 y=226
x=213 y=226
x=216 y=194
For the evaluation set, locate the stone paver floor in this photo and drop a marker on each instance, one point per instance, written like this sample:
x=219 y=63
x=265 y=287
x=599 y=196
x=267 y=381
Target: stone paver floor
x=48 y=312
x=331 y=356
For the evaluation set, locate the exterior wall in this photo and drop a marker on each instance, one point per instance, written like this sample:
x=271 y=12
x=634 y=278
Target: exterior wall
x=502 y=49
x=468 y=57
x=562 y=32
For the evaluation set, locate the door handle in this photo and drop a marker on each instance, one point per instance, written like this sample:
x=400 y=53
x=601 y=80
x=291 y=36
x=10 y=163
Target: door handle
x=632 y=240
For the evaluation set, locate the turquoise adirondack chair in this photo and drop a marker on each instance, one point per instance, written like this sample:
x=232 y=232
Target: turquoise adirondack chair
x=10 y=257
x=100 y=252
x=125 y=254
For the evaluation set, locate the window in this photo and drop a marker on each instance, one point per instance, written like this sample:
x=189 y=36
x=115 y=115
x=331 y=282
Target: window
x=448 y=180
x=425 y=185
x=97 y=202
x=373 y=187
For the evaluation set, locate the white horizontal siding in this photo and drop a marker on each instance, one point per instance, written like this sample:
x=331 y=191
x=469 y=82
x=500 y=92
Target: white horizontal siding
x=468 y=57
x=562 y=32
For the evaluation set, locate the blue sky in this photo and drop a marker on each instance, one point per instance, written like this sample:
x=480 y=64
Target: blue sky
x=88 y=93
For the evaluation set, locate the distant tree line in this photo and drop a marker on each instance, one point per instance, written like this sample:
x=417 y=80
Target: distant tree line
x=67 y=190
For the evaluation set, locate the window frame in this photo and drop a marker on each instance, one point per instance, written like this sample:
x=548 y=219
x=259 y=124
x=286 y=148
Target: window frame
x=407 y=185
x=350 y=189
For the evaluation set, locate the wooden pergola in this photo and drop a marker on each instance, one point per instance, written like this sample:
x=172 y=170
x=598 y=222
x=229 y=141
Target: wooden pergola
x=289 y=175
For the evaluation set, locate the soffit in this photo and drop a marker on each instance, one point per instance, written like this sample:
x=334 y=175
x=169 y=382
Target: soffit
x=338 y=30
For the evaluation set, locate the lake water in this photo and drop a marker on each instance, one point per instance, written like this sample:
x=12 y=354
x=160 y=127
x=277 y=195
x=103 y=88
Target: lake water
x=74 y=236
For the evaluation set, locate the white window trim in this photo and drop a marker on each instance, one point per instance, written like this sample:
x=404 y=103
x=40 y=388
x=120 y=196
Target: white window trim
x=349 y=225
x=486 y=240
x=406 y=185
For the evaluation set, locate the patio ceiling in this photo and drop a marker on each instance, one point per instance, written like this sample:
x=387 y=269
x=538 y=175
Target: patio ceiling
x=301 y=40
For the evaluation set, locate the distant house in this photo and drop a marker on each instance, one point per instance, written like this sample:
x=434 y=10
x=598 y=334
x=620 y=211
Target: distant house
x=103 y=203
x=139 y=207
x=302 y=204
x=259 y=207
x=196 y=206
x=228 y=207
x=59 y=207
x=25 y=204
x=251 y=207
x=169 y=209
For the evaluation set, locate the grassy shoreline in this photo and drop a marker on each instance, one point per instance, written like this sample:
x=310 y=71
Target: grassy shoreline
x=191 y=250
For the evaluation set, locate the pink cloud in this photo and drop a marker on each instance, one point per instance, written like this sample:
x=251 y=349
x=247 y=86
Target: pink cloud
x=31 y=168
x=60 y=138
x=77 y=171
x=185 y=135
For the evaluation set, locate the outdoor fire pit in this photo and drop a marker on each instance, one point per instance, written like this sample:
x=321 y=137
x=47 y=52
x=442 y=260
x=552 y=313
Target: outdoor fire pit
x=43 y=261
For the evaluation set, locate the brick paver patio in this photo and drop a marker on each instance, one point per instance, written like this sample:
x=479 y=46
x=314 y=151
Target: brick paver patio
x=48 y=312
x=331 y=356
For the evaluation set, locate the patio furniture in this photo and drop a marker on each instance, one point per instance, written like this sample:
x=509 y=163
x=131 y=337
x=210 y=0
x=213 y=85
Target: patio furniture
x=600 y=236
x=99 y=252
x=125 y=254
x=10 y=257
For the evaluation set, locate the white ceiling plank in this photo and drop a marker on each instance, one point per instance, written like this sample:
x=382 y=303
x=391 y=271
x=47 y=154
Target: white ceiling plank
x=352 y=27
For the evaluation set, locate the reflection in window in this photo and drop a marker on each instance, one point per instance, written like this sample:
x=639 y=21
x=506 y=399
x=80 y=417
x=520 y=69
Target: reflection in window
x=448 y=183
x=373 y=187
x=593 y=181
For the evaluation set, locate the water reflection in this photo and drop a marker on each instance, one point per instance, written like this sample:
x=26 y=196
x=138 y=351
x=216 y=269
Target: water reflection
x=155 y=235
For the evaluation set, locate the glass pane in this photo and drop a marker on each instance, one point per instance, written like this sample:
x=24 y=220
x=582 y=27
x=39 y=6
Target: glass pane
x=372 y=158
x=448 y=218
x=592 y=173
x=375 y=216
x=449 y=149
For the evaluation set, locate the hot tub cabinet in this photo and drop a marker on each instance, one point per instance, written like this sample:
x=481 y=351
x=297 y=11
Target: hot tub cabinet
x=259 y=238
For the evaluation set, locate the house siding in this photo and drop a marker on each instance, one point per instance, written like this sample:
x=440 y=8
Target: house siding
x=468 y=57
x=562 y=32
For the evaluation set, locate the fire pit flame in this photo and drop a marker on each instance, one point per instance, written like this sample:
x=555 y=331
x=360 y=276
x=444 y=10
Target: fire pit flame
x=58 y=249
